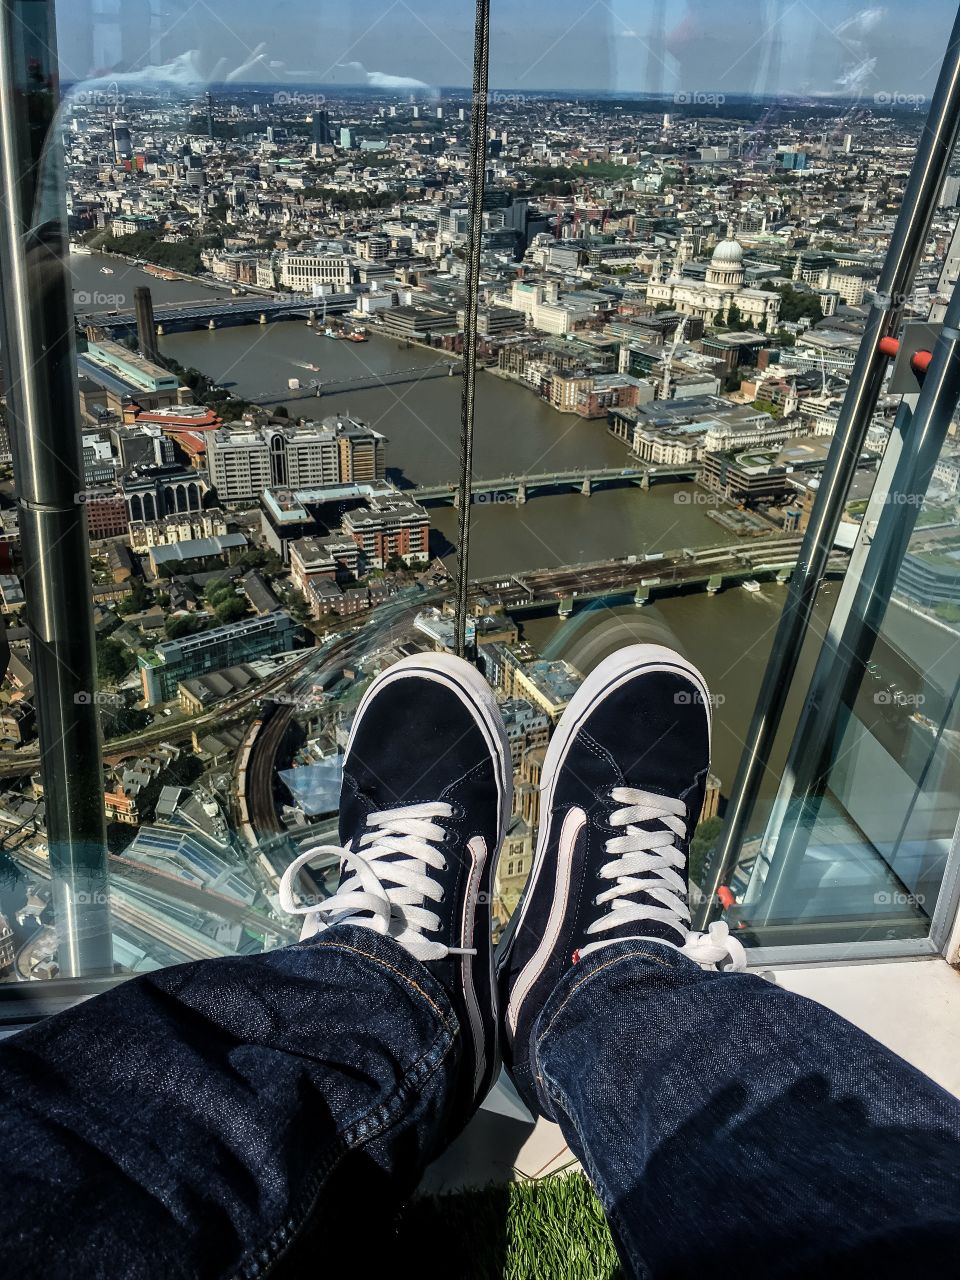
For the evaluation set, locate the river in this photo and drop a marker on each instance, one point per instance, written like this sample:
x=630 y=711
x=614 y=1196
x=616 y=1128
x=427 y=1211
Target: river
x=515 y=432
x=728 y=636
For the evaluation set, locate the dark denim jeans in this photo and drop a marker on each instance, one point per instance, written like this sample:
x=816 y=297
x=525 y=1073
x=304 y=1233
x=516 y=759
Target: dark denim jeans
x=264 y=1115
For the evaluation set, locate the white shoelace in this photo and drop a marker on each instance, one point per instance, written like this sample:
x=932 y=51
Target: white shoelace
x=649 y=862
x=390 y=882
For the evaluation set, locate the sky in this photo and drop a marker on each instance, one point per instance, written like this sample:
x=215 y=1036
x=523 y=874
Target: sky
x=825 y=47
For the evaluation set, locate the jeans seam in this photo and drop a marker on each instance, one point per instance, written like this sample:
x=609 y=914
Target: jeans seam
x=404 y=977
x=630 y=955
x=260 y=1261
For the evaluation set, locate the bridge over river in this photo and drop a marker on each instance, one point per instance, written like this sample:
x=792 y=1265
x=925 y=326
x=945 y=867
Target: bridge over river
x=639 y=579
x=214 y=313
x=520 y=488
x=317 y=386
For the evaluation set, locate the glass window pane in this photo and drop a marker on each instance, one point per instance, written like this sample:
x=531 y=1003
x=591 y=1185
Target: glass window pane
x=871 y=852
x=268 y=216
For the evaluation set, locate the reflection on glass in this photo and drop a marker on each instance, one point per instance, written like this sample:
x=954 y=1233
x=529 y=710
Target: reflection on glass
x=268 y=220
x=871 y=854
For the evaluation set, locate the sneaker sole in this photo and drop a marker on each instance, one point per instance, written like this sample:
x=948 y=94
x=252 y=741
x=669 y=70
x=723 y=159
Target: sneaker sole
x=621 y=666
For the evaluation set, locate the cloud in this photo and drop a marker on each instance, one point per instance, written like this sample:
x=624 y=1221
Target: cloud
x=854 y=79
x=258 y=61
x=383 y=79
x=186 y=71
x=861 y=23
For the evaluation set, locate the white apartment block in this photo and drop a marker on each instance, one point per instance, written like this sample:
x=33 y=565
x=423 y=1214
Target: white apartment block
x=542 y=306
x=667 y=450
x=849 y=286
x=305 y=457
x=315 y=272
x=749 y=435
x=238 y=462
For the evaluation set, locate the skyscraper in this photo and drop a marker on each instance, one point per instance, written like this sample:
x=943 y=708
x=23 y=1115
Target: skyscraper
x=322 y=135
x=122 y=145
x=146 y=326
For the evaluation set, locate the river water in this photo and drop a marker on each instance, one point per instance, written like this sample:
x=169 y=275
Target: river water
x=728 y=636
x=515 y=433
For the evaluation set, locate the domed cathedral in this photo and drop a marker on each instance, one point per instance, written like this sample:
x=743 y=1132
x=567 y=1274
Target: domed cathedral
x=721 y=289
x=726 y=265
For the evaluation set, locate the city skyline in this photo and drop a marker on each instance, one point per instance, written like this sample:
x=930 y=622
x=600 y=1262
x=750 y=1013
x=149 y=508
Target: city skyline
x=794 y=49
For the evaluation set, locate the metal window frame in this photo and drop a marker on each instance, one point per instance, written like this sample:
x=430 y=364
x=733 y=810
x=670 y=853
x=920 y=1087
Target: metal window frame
x=917 y=445
x=24 y=1003
x=939 y=138
x=876 y=504
x=40 y=360
x=946 y=914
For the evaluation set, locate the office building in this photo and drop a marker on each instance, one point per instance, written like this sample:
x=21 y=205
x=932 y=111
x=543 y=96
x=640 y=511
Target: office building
x=125 y=376
x=162 y=669
x=315 y=272
x=527 y=727
x=239 y=462
x=330 y=558
x=107 y=515
x=794 y=159
x=154 y=492
x=547 y=685
x=245 y=461
x=320 y=128
x=122 y=144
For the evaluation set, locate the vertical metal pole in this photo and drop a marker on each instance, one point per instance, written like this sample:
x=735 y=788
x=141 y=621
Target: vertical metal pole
x=36 y=327
x=478 y=156
x=906 y=246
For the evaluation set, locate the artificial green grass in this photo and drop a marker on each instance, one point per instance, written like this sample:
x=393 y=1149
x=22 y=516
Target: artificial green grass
x=549 y=1228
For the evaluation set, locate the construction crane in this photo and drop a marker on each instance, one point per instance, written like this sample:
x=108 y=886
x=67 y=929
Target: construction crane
x=668 y=359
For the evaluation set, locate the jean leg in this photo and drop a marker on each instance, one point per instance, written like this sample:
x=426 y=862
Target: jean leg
x=209 y=1119
x=728 y=1123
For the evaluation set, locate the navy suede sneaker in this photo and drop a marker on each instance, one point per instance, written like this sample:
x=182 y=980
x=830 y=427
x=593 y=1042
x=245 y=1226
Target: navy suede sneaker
x=621 y=792
x=426 y=797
